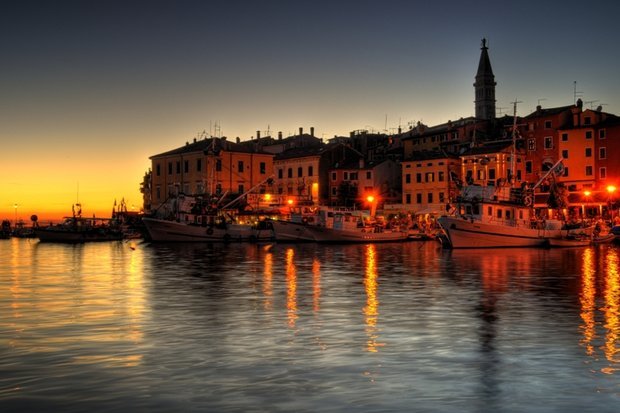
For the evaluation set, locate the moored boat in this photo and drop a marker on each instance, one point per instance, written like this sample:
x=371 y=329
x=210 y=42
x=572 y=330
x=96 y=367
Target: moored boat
x=77 y=229
x=336 y=225
x=569 y=241
x=203 y=229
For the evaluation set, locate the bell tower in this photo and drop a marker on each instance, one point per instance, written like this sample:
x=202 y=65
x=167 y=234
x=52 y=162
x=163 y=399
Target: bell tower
x=485 y=86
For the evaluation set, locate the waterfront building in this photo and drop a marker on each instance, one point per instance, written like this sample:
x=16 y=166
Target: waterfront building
x=429 y=182
x=302 y=173
x=350 y=184
x=211 y=166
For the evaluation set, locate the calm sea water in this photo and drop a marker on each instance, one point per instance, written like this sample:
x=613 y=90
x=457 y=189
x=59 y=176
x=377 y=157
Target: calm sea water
x=307 y=328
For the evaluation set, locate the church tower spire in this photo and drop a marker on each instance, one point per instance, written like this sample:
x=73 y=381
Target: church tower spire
x=485 y=86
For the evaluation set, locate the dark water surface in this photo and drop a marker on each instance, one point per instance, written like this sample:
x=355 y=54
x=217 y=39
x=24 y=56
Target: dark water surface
x=307 y=328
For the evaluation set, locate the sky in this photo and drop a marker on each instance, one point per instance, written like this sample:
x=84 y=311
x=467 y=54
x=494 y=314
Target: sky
x=90 y=89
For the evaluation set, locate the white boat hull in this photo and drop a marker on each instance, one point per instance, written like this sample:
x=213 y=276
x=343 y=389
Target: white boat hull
x=160 y=230
x=467 y=234
x=286 y=231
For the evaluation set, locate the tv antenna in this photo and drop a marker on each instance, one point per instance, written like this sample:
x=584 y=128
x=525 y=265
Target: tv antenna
x=575 y=93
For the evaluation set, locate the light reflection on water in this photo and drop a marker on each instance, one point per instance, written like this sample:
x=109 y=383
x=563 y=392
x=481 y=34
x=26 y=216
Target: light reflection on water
x=279 y=328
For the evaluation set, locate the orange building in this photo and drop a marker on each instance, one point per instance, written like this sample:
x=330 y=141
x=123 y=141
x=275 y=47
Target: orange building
x=212 y=166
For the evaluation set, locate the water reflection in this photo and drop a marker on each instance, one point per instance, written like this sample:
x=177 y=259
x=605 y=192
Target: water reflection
x=371 y=310
x=612 y=293
x=291 y=287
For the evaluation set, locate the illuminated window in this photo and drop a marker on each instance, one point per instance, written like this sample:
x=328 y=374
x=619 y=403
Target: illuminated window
x=531 y=144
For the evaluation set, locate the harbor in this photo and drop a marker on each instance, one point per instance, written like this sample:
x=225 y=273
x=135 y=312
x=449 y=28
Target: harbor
x=303 y=327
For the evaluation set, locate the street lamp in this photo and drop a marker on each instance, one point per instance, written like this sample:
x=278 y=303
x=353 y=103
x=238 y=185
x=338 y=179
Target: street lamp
x=373 y=205
x=15 y=207
x=586 y=194
x=611 y=189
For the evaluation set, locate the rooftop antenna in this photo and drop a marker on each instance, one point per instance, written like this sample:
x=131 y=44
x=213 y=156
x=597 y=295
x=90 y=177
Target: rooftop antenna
x=501 y=110
x=591 y=102
x=575 y=93
x=540 y=100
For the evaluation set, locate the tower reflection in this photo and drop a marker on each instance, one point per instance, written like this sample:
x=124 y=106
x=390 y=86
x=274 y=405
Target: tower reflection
x=291 y=287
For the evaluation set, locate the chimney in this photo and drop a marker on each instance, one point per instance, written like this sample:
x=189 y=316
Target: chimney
x=238 y=140
x=361 y=163
x=301 y=131
x=279 y=136
x=312 y=131
x=257 y=135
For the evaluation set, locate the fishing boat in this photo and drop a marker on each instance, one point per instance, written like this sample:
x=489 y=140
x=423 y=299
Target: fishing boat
x=78 y=229
x=336 y=225
x=502 y=215
x=189 y=218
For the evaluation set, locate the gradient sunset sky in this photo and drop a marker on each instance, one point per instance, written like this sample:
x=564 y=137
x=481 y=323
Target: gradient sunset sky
x=90 y=89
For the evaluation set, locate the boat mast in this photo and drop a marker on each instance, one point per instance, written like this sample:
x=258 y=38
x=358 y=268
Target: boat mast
x=513 y=153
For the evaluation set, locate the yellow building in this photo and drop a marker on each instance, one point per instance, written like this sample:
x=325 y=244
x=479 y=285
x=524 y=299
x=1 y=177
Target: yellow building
x=427 y=184
x=210 y=166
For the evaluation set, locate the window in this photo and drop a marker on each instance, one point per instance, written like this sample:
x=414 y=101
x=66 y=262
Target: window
x=587 y=120
x=178 y=167
x=588 y=170
x=528 y=167
x=565 y=137
x=602 y=172
x=353 y=176
x=240 y=168
x=588 y=134
x=185 y=166
x=241 y=189
x=407 y=178
x=346 y=176
x=492 y=173
x=334 y=176
x=441 y=176
x=300 y=172
x=531 y=144
x=548 y=142
x=218 y=189
x=588 y=152
x=158 y=191
x=262 y=167
x=601 y=134
x=547 y=124
x=442 y=197
x=499 y=213
x=158 y=169
x=418 y=198
x=369 y=174
x=218 y=165
x=490 y=211
x=566 y=171
x=602 y=153
x=418 y=177
x=169 y=168
x=507 y=214
x=310 y=170
x=280 y=173
x=290 y=172
x=430 y=177
x=334 y=191
x=198 y=165
x=565 y=153
x=430 y=197
x=408 y=198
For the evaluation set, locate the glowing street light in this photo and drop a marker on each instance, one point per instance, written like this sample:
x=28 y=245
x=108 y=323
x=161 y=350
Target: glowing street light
x=373 y=205
x=586 y=194
x=15 y=207
x=611 y=189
